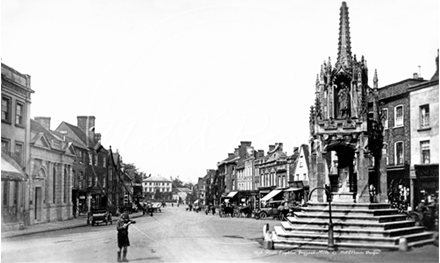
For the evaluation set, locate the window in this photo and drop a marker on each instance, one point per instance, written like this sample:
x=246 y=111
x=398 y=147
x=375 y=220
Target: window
x=398 y=153
x=425 y=152
x=385 y=153
x=90 y=159
x=54 y=184
x=89 y=181
x=384 y=118
x=65 y=177
x=424 y=116
x=104 y=162
x=398 y=116
x=18 y=152
x=80 y=157
x=19 y=114
x=5 y=146
x=6 y=109
x=96 y=160
x=5 y=193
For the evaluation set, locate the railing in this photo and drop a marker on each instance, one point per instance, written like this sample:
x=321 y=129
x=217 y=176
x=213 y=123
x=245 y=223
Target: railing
x=331 y=245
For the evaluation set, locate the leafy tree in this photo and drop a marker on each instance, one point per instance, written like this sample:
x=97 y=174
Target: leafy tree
x=158 y=195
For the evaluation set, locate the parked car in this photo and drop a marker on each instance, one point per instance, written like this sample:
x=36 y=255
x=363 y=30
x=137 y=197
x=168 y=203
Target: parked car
x=270 y=209
x=99 y=215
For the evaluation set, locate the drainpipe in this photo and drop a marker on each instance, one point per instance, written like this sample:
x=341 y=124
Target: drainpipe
x=331 y=245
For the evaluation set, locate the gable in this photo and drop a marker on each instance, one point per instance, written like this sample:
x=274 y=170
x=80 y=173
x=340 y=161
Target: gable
x=70 y=150
x=42 y=141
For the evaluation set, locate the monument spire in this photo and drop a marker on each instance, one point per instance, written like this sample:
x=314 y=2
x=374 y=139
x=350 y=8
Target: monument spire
x=344 y=45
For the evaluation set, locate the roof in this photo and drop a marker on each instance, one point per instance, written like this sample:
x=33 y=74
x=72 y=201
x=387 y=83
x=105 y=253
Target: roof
x=156 y=178
x=81 y=134
x=422 y=85
x=397 y=88
x=186 y=190
x=37 y=127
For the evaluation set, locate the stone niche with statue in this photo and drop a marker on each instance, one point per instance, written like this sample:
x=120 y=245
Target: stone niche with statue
x=346 y=130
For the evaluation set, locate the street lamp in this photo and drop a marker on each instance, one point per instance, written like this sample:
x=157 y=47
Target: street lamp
x=331 y=245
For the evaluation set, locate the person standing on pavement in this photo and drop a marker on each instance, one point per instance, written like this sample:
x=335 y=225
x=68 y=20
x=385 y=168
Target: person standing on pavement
x=123 y=241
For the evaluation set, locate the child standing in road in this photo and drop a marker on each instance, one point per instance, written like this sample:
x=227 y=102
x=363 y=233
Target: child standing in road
x=123 y=241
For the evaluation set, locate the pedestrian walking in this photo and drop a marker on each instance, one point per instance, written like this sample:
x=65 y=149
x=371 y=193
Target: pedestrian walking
x=123 y=241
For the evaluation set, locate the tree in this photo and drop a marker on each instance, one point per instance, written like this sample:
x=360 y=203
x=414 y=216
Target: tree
x=158 y=194
x=176 y=183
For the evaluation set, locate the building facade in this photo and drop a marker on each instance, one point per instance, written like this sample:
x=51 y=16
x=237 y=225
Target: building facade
x=273 y=168
x=394 y=104
x=52 y=159
x=424 y=120
x=153 y=184
x=301 y=165
x=95 y=160
x=16 y=106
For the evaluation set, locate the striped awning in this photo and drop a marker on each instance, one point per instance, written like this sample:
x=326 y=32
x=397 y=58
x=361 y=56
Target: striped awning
x=232 y=194
x=271 y=195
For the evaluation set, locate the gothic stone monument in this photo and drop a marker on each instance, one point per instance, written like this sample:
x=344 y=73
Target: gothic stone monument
x=346 y=129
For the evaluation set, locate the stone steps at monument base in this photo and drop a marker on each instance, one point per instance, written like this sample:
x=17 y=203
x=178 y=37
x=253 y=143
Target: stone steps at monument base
x=351 y=217
x=354 y=231
x=341 y=211
x=282 y=235
x=323 y=222
x=291 y=245
x=351 y=206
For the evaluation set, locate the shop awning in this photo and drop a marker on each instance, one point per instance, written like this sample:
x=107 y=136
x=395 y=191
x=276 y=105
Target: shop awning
x=270 y=195
x=11 y=170
x=232 y=194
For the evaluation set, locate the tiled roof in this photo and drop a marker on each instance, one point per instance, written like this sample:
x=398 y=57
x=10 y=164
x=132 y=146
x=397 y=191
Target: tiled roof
x=81 y=134
x=37 y=127
x=397 y=88
x=156 y=178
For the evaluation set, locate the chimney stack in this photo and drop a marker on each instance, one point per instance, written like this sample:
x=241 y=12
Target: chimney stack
x=87 y=125
x=271 y=147
x=260 y=154
x=44 y=121
x=280 y=146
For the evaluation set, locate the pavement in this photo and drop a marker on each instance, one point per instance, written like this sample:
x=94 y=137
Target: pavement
x=80 y=221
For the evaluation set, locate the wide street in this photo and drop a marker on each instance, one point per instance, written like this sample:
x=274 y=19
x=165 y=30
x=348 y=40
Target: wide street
x=177 y=235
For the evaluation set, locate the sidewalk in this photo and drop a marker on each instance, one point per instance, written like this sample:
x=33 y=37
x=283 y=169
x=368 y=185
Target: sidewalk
x=80 y=221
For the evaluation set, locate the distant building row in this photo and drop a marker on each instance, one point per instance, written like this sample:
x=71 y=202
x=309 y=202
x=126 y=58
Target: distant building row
x=249 y=170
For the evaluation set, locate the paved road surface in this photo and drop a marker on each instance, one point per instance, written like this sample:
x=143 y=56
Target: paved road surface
x=176 y=235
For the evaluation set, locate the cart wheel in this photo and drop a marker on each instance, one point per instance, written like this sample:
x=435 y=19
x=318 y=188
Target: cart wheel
x=263 y=215
x=237 y=214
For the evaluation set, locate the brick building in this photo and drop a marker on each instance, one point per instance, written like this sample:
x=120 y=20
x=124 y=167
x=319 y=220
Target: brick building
x=394 y=105
x=95 y=162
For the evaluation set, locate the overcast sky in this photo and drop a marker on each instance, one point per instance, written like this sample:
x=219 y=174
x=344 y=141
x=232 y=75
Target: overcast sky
x=176 y=85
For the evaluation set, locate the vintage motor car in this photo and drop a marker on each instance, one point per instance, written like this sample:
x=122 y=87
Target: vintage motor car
x=99 y=215
x=270 y=209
